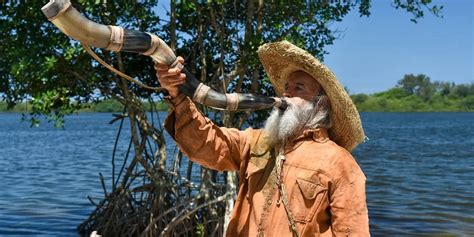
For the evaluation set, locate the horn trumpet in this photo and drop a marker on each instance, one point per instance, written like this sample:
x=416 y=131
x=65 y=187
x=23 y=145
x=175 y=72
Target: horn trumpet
x=115 y=38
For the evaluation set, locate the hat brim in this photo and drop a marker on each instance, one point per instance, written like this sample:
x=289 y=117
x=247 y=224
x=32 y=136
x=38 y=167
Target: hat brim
x=280 y=59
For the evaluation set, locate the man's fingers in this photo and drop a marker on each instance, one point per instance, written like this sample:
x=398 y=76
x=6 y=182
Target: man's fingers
x=173 y=81
x=164 y=67
x=182 y=76
x=170 y=78
x=180 y=59
x=168 y=73
x=161 y=67
x=177 y=82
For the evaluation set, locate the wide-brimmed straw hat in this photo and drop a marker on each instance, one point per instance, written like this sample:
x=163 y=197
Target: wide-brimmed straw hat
x=280 y=59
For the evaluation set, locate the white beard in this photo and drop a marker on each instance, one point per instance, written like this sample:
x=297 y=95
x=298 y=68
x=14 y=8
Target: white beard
x=281 y=125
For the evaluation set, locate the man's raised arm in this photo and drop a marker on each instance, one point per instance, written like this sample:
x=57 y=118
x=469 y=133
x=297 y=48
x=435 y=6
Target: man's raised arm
x=196 y=135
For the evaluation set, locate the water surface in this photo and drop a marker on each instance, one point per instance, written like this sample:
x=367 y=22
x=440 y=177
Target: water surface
x=419 y=168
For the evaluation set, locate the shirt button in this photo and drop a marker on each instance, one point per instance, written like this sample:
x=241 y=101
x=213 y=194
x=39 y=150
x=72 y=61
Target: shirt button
x=348 y=231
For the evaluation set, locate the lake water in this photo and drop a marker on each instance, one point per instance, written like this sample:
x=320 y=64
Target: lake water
x=419 y=168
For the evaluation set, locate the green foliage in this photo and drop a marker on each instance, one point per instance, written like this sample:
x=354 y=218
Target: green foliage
x=416 y=85
x=218 y=38
x=108 y=106
x=17 y=108
x=394 y=93
x=412 y=95
x=41 y=64
x=222 y=37
x=200 y=230
x=157 y=106
x=103 y=106
x=416 y=8
x=421 y=86
x=468 y=102
x=359 y=98
x=461 y=91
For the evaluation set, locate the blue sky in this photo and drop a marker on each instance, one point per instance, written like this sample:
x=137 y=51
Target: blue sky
x=375 y=52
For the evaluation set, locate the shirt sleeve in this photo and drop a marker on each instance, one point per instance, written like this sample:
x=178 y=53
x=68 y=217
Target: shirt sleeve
x=347 y=199
x=201 y=140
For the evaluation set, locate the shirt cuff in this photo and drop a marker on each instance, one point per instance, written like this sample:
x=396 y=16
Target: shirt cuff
x=173 y=102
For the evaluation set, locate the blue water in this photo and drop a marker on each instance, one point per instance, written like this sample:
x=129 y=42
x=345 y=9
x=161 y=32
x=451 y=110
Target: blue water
x=420 y=172
x=419 y=168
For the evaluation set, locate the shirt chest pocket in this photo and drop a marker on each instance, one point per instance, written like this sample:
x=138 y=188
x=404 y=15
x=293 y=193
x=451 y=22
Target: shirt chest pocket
x=255 y=176
x=253 y=172
x=307 y=195
x=258 y=170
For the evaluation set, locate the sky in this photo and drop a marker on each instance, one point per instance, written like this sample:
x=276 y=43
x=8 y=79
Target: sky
x=375 y=52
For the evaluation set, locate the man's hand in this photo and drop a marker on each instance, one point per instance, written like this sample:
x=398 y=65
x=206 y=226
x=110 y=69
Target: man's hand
x=170 y=79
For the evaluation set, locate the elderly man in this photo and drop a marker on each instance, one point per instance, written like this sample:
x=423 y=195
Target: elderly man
x=297 y=175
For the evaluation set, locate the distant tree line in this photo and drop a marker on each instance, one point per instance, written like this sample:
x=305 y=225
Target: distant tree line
x=103 y=106
x=416 y=93
x=413 y=93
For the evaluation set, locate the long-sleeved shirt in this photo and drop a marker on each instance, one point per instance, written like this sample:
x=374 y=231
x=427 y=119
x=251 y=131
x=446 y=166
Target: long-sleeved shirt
x=324 y=184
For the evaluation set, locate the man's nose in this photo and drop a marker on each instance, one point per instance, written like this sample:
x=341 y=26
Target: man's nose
x=287 y=94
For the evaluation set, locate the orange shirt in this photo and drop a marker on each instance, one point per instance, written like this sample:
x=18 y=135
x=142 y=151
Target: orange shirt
x=324 y=184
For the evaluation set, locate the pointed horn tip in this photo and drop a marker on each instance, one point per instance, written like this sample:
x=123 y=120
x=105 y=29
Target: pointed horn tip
x=55 y=7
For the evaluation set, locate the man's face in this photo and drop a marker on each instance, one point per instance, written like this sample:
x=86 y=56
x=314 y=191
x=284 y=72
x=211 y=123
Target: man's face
x=301 y=85
x=303 y=110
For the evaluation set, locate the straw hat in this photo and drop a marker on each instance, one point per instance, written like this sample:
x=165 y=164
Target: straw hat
x=282 y=58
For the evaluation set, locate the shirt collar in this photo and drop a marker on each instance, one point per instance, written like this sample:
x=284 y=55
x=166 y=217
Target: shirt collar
x=319 y=135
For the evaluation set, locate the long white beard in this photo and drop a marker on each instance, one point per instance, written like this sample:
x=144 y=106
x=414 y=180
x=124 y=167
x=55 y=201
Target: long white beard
x=281 y=125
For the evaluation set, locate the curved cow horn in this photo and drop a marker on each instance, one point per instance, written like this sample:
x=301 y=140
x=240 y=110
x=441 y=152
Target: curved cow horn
x=114 y=38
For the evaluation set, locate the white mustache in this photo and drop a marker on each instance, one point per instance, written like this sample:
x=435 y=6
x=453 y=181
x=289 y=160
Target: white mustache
x=282 y=124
